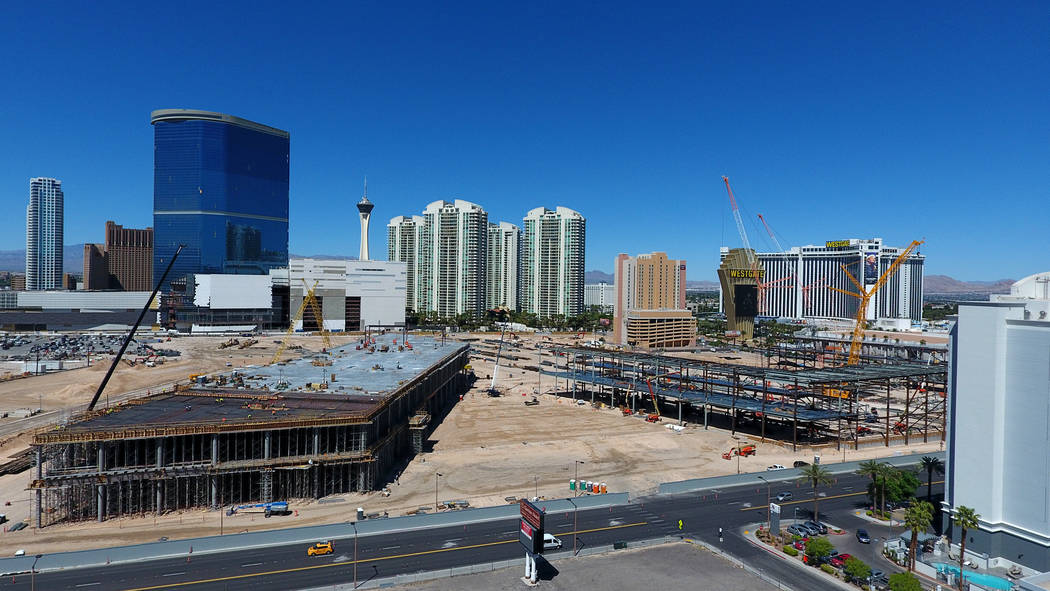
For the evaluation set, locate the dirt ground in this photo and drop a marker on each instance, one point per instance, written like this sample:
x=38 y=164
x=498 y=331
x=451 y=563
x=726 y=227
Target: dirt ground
x=486 y=449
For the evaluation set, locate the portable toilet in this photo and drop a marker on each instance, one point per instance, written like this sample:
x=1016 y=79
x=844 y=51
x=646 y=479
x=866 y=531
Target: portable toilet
x=572 y=484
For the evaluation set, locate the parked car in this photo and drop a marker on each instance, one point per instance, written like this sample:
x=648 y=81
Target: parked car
x=812 y=529
x=796 y=530
x=840 y=560
x=775 y=467
x=784 y=496
x=863 y=537
x=800 y=463
x=821 y=528
x=877 y=574
x=800 y=544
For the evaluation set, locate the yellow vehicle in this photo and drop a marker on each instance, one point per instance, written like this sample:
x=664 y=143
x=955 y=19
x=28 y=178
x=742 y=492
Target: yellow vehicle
x=320 y=548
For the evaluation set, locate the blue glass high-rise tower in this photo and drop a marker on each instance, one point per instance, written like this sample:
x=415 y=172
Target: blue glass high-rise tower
x=220 y=186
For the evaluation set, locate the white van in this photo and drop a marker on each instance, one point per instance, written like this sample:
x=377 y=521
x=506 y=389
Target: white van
x=550 y=542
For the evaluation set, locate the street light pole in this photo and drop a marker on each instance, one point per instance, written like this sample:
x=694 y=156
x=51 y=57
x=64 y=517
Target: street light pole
x=573 y=526
x=32 y=574
x=576 y=493
x=354 y=523
x=536 y=482
x=436 y=476
x=769 y=517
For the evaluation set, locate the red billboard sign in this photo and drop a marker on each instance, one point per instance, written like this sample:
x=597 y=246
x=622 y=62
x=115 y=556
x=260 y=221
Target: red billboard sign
x=531 y=513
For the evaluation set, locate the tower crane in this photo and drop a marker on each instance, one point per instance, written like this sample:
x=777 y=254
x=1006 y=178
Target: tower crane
x=309 y=299
x=740 y=225
x=771 y=235
x=865 y=296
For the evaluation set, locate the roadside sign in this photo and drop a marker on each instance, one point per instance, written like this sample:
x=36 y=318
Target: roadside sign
x=530 y=530
x=774 y=518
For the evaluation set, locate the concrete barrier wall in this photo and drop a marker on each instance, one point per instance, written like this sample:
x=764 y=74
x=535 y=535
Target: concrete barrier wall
x=718 y=482
x=298 y=535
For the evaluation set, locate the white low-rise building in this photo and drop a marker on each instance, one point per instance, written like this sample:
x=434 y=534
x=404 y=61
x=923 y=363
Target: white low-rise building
x=998 y=460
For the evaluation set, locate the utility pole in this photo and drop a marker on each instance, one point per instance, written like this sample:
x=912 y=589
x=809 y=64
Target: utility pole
x=769 y=517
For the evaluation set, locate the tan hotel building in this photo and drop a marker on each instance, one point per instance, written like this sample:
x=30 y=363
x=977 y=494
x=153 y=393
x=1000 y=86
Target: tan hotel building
x=650 y=310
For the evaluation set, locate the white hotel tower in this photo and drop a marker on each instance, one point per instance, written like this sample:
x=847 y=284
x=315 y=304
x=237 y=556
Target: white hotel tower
x=799 y=279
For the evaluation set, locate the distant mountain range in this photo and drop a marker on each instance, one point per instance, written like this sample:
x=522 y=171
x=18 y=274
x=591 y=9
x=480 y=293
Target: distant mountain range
x=73 y=262
x=599 y=276
x=72 y=259
x=942 y=284
x=934 y=284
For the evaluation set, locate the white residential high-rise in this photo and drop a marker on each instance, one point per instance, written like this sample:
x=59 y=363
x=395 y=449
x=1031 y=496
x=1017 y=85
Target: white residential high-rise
x=44 y=234
x=404 y=238
x=364 y=208
x=501 y=287
x=445 y=249
x=552 y=262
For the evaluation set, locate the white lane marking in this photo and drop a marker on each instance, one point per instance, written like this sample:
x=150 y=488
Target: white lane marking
x=88 y=584
x=449 y=545
x=251 y=564
x=174 y=574
x=392 y=547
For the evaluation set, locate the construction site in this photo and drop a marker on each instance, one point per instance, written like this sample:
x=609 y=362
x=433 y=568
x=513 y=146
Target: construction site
x=335 y=421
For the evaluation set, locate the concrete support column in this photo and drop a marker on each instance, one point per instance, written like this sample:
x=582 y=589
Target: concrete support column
x=39 y=463
x=160 y=453
x=102 y=457
x=101 y=502
x=159 y=488
x=267 y=441
x=214 y=490
x=317 y=440
x=39 y=508
x=215 y=449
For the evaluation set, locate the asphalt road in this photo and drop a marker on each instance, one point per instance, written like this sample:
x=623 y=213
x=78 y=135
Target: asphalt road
x=380 y=556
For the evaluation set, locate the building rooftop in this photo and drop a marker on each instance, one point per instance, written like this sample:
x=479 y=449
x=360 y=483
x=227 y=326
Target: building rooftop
x=191 y=114
x=271 y=396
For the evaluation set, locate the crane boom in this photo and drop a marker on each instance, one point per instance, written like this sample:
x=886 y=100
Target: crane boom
x=857 y=340
x=771 y=235
x=739 y=223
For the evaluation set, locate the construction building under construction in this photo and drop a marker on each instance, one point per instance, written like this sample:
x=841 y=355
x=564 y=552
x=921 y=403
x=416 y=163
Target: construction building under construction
x=328 y=423
x=869 y=403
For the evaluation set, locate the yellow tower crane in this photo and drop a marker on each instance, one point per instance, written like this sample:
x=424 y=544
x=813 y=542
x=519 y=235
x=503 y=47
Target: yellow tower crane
x=309 y=299
x=865 y=296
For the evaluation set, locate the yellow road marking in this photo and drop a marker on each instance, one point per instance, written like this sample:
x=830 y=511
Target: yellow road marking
x=365 y=560
x=842 y=496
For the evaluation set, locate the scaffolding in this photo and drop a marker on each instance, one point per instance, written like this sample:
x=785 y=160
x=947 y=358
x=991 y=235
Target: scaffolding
x=235 y=447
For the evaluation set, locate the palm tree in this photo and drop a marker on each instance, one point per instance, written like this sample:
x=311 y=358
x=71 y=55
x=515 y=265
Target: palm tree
x=886 y=471
x=965 y=518
x=870 y=468
x=919 y=518
x=815 y=475
x=931 y=465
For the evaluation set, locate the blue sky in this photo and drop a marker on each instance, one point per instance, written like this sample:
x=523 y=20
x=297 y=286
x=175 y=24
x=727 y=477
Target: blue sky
x=832 y=119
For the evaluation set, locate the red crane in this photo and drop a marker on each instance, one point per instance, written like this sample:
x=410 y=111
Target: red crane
x=771 y=235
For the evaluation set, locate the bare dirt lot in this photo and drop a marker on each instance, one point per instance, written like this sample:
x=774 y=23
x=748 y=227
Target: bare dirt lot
x=486 y=449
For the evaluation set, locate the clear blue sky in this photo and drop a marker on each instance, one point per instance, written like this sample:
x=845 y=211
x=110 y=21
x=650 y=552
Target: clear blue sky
x=834 y=120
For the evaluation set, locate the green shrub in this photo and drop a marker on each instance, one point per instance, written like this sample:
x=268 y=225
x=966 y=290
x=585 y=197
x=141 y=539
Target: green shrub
x=790 y=550
x=828 y=569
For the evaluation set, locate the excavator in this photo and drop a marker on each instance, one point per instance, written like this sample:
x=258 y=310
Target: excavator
x=740 y=450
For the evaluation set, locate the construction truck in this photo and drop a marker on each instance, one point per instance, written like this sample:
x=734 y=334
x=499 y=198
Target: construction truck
x=741 y=450
x=267 y=509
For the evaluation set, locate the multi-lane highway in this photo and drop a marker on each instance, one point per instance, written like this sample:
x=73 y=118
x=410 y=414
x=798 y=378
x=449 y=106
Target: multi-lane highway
x=696 y=515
